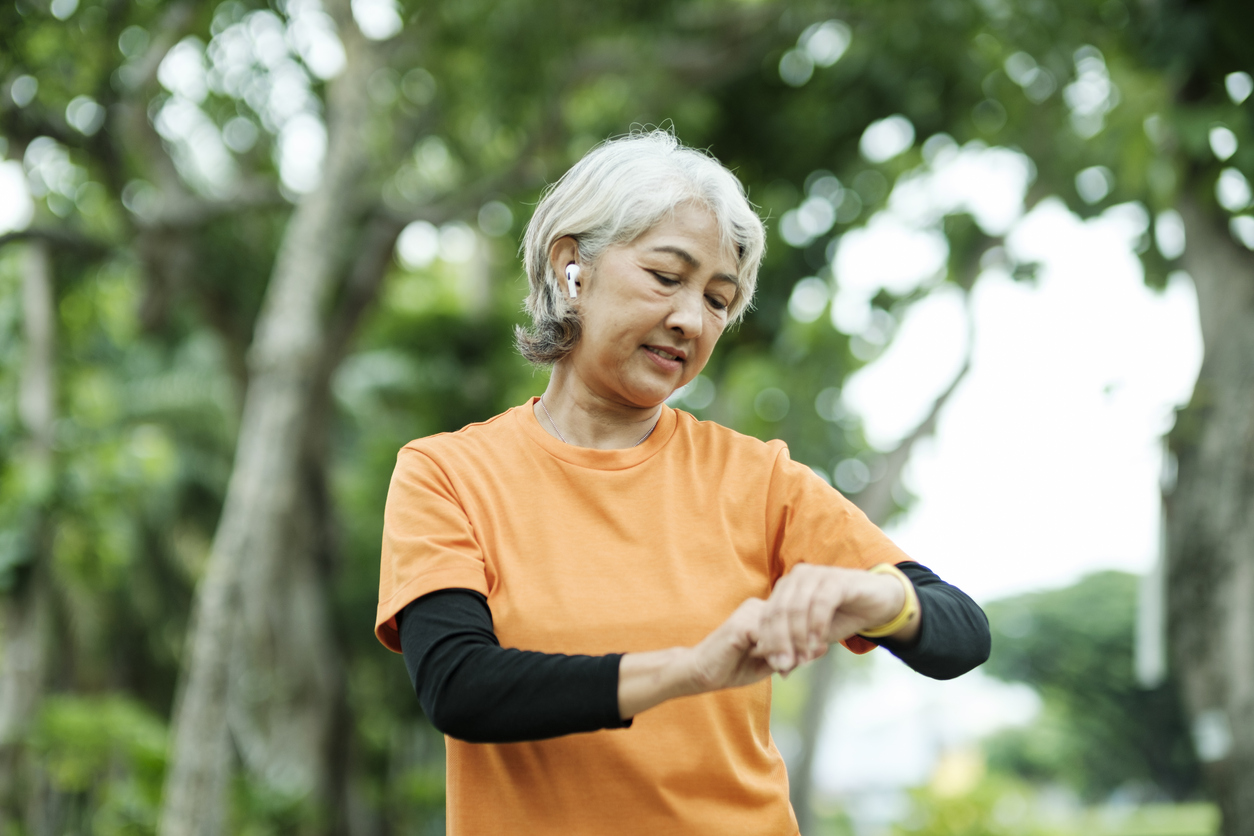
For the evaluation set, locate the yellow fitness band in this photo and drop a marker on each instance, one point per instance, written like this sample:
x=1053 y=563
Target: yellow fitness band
x=909 y=609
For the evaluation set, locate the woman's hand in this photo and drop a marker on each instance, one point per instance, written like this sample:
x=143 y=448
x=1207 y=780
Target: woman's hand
x=723 y=659
x=814 y=606
x=810 y=608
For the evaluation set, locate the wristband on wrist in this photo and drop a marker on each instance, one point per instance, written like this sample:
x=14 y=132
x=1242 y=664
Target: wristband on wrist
x=909 y=609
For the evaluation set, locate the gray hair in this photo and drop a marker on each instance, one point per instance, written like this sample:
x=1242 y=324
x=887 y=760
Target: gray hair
x=620 y=190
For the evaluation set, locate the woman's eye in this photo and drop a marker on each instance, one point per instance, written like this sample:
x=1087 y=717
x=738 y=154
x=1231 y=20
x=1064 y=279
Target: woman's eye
x=717 y=303
x=665 y=281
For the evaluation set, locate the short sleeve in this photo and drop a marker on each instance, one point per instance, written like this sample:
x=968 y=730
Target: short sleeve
x=428 y=542
x=809 y=521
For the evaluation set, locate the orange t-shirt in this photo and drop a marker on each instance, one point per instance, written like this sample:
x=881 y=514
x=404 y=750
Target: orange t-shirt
x=584 y=551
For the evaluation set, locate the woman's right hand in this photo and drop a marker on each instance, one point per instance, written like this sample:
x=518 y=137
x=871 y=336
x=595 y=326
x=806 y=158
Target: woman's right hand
x=724 y=658
x=721 y=660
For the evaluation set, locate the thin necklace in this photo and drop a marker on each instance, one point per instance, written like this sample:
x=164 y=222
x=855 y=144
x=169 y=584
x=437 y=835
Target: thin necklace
x=563 y=438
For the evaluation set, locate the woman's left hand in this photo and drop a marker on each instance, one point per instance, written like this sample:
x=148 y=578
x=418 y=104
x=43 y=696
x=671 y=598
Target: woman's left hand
x=814 y=606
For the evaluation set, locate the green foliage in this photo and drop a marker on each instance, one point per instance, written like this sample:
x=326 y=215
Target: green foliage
x=1100 y=730
x=109 y=752
x=999 y=806
x=994 y=807
x=259 y=809
x=25 y=483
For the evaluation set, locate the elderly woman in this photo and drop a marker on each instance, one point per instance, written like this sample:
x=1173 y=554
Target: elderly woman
x=592 y=589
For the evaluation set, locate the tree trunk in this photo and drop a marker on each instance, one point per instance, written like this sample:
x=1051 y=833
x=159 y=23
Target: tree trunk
x=263 y=493
x=801 y=775
x=25 y=612
x=287 y=705
x=284 y=667
x=286 y=699
x=1210 y=522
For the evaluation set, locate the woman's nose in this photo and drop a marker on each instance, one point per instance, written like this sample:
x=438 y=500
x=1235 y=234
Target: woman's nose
x=686 y=317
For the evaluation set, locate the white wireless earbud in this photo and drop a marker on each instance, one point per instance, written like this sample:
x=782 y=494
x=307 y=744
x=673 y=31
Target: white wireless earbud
x=572 y=279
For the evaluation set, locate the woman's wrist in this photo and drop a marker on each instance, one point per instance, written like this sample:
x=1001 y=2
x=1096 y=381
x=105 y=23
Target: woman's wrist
x=653 y=677
x=899 y=617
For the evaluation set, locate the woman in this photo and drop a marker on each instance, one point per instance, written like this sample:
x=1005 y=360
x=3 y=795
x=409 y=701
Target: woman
x=592 y=589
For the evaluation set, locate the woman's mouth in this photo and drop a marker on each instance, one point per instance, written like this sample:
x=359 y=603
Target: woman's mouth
x=664 y=358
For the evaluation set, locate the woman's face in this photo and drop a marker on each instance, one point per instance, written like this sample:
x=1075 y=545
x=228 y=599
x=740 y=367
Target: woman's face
x=653 y=309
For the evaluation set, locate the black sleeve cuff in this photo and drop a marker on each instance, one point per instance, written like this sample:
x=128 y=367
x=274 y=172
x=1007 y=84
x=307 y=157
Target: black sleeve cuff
x=953 y=634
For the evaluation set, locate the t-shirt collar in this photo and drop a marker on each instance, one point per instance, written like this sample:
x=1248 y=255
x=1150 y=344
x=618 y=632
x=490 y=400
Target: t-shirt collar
x=589 y=457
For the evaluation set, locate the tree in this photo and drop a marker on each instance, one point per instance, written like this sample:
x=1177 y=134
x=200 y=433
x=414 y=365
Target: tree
x=27 y=615
x=1210 y=536
x=1103 y=730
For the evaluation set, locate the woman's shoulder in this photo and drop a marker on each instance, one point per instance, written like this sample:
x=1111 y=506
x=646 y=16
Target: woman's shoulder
x=712 y=438
x=480 y=435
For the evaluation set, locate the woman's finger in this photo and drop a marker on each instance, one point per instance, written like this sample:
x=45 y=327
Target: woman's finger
x=748 y=620
x=797 y=607
x=829 y=594
x=788 y=609
x=719 y=660
x=775 y=640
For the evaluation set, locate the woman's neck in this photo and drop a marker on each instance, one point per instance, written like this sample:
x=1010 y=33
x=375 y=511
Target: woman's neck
x=570 y=412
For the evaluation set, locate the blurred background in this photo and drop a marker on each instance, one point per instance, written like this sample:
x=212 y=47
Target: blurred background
x=249 y=249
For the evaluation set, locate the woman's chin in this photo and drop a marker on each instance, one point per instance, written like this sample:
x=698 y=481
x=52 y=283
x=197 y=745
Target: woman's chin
x=652 y=388
x=648 y=397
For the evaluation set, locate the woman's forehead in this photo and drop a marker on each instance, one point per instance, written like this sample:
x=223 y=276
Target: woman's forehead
x=691 y=234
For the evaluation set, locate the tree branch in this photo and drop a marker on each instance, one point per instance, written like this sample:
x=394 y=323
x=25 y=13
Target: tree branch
x=704 y=51
x=471 y=197
x=192 y=212
x=136 y=131
x=876 y=499
x=60 y=237
x=176 y=23
x=22 y=126
x=361 y=289
x=463 y=202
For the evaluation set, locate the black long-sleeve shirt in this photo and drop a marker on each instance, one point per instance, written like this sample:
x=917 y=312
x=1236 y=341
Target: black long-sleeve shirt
x=475 y=690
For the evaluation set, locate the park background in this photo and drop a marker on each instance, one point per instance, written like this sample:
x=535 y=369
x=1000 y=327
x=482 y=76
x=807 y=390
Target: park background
x=249 y=250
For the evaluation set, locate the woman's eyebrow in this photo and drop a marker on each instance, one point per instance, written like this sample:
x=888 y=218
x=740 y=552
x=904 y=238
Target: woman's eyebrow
x=691 y=260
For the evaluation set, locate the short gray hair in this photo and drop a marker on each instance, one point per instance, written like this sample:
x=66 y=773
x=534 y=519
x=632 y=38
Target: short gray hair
x=617 y=192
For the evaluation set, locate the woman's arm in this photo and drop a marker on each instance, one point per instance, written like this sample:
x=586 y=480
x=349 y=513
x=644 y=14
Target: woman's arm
x=724 y=659
x=953 y=635
x=473 y=689
x=813 y=606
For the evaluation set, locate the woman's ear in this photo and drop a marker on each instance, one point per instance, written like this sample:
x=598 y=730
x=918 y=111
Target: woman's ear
x=564 y=259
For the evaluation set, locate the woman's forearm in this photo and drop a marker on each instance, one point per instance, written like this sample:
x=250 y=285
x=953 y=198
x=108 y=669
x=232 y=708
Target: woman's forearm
x=648 y=679
x=723 y=659
x=474 y=690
